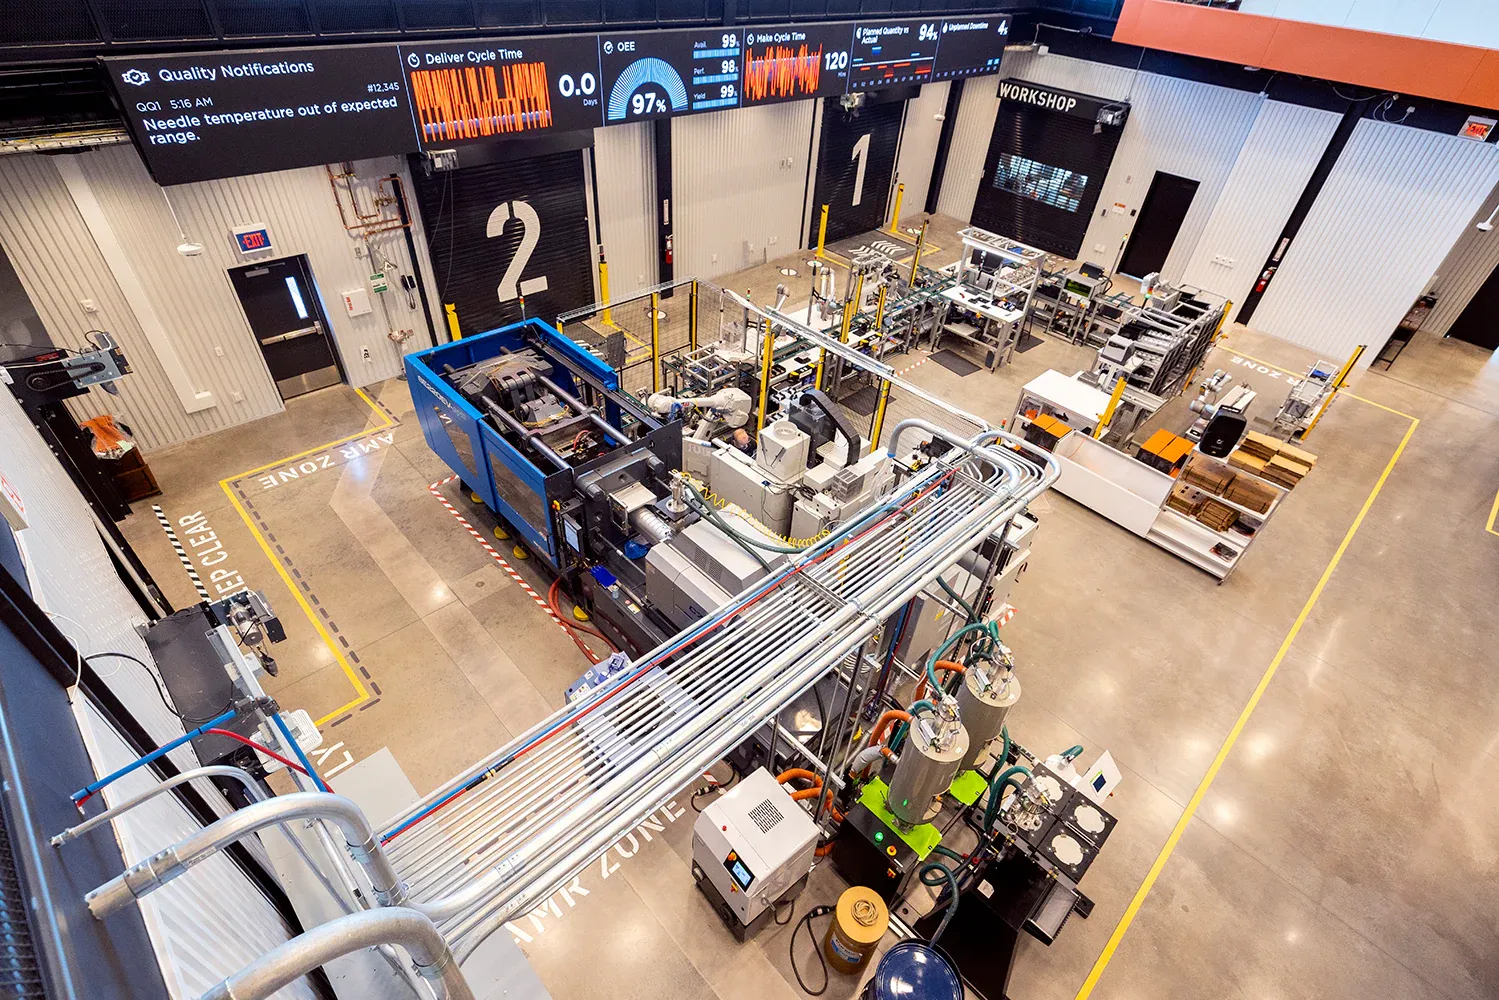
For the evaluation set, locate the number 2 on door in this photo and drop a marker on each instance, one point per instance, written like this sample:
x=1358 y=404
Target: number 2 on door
x=530 y=235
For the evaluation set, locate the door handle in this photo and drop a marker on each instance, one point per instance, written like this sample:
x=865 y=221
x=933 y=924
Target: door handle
x=306 y=331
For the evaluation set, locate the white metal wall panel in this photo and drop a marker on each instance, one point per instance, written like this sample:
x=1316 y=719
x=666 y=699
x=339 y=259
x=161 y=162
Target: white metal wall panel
x=1467 y=266
x=624 y=158
x=203 y=925
x=738 y=185
x=1392 y=208
x=61 y=268
x=918 y=145
x=969 y=145
x=72 y=577
x=1277 y=159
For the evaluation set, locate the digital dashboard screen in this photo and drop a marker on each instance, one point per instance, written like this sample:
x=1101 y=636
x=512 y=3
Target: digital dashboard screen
x=207 y=115
x=197 y=117
x=885 y=53
x=795 y=62
x=970 y=47
x=653 y=74
x=473 y=91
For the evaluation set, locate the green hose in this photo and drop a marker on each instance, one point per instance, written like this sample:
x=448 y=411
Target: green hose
x=1073 y=751
x=997 y=791
x=952 y=640
x=967 y=608
x=933 y=874
x=758 y=543
x=723 y=525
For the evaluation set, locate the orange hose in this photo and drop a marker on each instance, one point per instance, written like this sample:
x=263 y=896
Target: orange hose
x=806 y=793
x=792 y=774
x=877 y=734
x=956 y=668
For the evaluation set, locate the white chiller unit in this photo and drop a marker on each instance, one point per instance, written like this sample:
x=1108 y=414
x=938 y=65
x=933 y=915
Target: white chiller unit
x=751 y=850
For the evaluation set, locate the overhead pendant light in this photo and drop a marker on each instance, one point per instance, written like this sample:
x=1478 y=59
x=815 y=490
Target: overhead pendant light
x=187 y=247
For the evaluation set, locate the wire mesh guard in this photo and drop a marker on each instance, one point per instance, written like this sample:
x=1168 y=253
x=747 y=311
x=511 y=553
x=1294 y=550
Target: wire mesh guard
x=520 y=823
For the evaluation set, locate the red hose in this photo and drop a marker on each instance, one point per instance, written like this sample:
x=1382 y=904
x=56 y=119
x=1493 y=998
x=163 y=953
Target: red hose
x=269 y=753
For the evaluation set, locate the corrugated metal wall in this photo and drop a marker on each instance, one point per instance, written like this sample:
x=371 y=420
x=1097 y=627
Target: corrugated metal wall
x=1392 y=208
x=738 y=182
x=969 y=146
x=1193 y=130
x=1467 y=266
x=213 y=920
x=1277 y=159
x=918 y=146
x=625 y=162
x=61 y=266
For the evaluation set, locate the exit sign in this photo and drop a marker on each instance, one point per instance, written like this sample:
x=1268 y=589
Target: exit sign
x=252 y=240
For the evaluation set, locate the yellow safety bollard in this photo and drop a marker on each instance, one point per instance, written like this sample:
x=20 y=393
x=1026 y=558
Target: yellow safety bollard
x=822 y=232
x=608 y=316
x=454 y=331
x=879 y=414
x=920 y=245
x=1108 y=412
x=900 y=192
x=692 y=317
x=655 y=342
x=768 y=356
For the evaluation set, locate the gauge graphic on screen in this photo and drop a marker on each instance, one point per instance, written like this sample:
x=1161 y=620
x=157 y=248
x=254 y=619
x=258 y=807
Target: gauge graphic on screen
x=659 y=73
x=646 y=87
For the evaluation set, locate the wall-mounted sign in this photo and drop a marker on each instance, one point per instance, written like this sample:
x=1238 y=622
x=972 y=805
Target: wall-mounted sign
x=1064 y=101
x=252 y=240
x=205 y=115
x=1477 y=128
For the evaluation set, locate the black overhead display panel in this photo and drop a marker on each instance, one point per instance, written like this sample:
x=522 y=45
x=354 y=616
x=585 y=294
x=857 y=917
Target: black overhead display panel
x=1048 y=157
x=207 y=115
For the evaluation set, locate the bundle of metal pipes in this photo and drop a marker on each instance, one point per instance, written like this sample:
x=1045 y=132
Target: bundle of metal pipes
x=520 y=823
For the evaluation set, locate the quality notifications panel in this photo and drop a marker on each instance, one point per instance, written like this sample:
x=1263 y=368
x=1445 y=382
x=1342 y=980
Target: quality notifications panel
x=198 y=117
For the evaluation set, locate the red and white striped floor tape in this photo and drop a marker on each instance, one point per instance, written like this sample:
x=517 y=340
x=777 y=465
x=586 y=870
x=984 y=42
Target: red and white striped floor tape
x=435 y=490
x=917 y=364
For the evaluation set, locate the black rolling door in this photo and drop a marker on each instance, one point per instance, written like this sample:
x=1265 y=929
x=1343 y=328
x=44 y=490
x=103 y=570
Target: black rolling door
x=855 y=165
x=1043 y=174
x=500 y=232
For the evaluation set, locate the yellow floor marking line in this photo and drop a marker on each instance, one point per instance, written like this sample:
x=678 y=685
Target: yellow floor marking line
x=1233 y=734
x=1493 y=513
x=363 y=693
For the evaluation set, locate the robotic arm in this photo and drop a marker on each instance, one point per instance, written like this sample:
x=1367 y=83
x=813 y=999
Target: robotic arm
x=730 y=407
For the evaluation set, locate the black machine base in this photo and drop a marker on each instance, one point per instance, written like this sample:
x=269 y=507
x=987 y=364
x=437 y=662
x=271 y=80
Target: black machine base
x=743 y=932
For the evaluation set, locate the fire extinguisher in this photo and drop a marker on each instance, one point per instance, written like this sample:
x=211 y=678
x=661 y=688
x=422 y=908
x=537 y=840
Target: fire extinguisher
x=668 y=248
x=1264 y=279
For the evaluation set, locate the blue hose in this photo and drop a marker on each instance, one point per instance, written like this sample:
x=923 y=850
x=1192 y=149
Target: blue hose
x=296 y=748
x=110 y=779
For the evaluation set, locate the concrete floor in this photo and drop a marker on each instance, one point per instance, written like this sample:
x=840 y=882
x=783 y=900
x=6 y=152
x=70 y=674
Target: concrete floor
x=1308 y=807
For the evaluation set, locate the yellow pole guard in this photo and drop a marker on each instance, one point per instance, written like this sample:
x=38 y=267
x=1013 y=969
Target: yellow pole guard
x=453 y=329
x=822 y=355
x=920 y=245
x=1108 y=413
x=1337 y=384
x=879 y=308
x=900 y=192
x=655 y=342
x=768 y=351
x=879 y=414
x=822 y=232
x=692 y=317
x=608 y=316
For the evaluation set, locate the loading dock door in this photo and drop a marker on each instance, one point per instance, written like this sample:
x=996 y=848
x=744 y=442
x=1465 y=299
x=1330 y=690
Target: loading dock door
x=506 y=231
x=855 y=165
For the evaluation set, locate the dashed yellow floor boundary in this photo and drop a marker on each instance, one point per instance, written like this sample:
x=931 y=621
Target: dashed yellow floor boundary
x=362 y=693
x=1122 y=928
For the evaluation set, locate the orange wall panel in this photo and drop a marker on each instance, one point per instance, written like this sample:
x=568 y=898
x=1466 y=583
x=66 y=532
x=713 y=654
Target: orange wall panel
x=1441 y=70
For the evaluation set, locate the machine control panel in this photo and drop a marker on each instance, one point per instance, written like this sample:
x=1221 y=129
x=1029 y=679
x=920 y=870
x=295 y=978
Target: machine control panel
x=738 y=871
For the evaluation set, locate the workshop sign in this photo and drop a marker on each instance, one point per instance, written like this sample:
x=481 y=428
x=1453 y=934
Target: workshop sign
x=1051 y=99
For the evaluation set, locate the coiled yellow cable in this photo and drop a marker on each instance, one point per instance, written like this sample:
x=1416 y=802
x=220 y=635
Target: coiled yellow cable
x=724 y=504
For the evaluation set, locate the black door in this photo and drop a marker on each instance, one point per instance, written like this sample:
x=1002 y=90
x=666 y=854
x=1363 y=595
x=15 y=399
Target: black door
x=855 y=165
x=281 y=303
x=1160 y=219
x=1479 y=323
